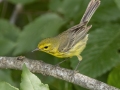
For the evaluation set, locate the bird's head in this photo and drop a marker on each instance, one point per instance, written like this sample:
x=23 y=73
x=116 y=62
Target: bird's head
x=46 y=45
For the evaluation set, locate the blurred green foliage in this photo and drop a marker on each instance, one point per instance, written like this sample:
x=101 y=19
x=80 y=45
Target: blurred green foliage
x=28 y=82
x=45 y=18
x=7 y=86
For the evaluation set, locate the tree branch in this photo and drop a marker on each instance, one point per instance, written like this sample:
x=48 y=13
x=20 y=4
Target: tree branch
x=57 y=72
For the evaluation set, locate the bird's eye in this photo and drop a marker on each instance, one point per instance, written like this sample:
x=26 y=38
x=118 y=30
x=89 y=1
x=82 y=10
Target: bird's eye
x=46 y=47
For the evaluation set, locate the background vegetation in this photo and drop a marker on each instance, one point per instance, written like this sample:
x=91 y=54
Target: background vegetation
x=45 y=18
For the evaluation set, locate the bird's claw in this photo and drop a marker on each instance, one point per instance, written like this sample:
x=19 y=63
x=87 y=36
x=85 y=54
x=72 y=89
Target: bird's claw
x=74 y=72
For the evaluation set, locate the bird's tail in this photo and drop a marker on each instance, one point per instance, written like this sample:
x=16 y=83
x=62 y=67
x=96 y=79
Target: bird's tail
x=91 y=8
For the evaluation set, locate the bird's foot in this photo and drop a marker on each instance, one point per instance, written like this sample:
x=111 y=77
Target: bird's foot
x=74 y=72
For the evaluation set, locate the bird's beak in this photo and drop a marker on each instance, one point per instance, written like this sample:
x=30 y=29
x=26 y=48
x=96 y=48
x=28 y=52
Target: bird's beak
x=35 y=49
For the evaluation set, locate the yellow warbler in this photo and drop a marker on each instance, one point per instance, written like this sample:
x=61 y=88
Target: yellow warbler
x=72 y=41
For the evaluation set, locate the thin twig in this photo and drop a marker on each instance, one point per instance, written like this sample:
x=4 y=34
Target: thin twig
x=57 y=72
x=15 y=13
x=1 y=1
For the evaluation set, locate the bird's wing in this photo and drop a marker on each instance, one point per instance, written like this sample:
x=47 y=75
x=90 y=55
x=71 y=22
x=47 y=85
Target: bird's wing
x=71 y=37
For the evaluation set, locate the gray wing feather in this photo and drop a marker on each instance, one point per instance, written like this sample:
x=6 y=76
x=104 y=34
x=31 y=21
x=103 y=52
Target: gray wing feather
x=71 y=37
x=92 y=7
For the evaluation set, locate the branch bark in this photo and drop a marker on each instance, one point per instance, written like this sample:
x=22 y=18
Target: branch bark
x=57 y=72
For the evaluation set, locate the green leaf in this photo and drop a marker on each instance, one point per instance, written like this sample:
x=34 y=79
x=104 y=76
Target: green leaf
x=114 y=77
x=21 y=1
x=7 y=86
x=44 y=26
x=108 y=11
x=118 y=3
x=5 y=75
x=69 y=8
x=6 y=46
x=8 y=37
x=101 y=53
x=74 y=9
x=31 y=82
x=8 y=31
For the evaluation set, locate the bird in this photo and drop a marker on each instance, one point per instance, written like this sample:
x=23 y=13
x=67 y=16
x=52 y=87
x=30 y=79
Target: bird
x=71 y=42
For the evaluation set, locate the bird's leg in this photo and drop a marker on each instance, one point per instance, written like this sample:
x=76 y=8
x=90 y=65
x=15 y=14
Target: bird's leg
x=77 y=66
x=62 y=61
x=80 y=59
x=55 y=66
x=75 y=70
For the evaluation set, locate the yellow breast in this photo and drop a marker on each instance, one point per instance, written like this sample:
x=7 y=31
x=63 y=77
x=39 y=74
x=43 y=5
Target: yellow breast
x=74 y=51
